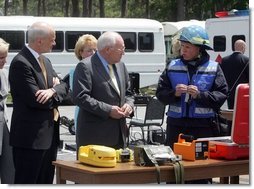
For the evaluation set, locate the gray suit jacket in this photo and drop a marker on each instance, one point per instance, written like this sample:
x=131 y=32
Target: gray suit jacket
x=94 y=93
x=4 y=89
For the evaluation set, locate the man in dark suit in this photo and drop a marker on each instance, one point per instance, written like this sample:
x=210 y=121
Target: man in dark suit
x=103 y=105
x=236 y=70
x=36 y=91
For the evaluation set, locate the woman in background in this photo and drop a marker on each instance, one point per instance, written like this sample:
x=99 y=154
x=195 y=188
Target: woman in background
x=85 y=46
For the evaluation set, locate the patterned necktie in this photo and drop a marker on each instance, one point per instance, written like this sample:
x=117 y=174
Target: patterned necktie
x=113 y=77
x=43 y=69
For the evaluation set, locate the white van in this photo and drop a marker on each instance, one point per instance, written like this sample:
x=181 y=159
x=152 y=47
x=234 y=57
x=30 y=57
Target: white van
x=144 y=41
x=224 y=31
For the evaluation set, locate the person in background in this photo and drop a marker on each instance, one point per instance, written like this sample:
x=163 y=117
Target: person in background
x=175 y=48
x=86 y=46
x=103 y=104
x=36 y=92
x=6 y=160
x=194 y=87
x=236 y=70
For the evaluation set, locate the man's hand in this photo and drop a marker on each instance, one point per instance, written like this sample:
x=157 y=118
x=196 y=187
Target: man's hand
x=44 y=95
x=193 y=91
x=127 y=109
x=180 y=88
x=116 y=112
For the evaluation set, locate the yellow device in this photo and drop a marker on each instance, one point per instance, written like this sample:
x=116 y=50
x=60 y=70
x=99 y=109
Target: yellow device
x=97 y=155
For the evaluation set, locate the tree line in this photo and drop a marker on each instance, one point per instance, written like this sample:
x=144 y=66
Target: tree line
x=161 y=10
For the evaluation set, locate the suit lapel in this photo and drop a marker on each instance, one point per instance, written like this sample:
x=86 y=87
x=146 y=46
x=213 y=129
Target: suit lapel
x=100 y=68
x=32 y=60
x=103 y=72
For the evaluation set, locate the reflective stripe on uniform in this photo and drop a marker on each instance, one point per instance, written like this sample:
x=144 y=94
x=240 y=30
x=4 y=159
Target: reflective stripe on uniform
x=176 y=109
x=203 y=110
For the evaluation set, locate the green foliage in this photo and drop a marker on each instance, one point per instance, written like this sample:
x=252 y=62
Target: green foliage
x=149 y=90
x=161 y=10
x=114 y=7
x=57 y=8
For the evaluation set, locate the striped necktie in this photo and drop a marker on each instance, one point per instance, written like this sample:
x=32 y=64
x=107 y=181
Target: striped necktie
x=113 y=77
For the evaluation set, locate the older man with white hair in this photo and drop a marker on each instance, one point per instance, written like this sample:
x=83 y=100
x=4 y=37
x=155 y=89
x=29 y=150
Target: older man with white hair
x=101 y=89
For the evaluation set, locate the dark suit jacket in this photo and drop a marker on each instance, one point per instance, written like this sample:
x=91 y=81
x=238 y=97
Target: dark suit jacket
x=32 y=124
x=94 y=93
x=232 y=66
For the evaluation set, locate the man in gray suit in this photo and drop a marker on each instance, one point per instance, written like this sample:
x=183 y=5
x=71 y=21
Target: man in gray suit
x=6 y=159
x=103 y=105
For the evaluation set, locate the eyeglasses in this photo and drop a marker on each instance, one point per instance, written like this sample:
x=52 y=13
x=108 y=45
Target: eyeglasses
x=120 y=49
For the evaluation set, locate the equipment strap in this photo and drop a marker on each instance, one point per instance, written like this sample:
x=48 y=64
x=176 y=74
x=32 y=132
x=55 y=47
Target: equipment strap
x=153 y=160
x=178 y=168
x=158 y=173
x=179 y=172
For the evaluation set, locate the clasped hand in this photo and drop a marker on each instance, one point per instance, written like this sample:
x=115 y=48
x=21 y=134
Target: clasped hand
x=43 y=95
x=189 y=89
x=120 y=112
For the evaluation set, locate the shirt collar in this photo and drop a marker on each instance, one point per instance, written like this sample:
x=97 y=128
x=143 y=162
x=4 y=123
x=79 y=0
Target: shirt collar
x=34 y=53
x=104 y=62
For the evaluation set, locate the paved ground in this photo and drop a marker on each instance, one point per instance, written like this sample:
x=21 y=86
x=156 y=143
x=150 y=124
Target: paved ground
x=69 y=139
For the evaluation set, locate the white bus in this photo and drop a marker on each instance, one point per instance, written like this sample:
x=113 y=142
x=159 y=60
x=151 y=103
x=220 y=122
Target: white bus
x=144 y=41
x=224 y=31
x=172 y=28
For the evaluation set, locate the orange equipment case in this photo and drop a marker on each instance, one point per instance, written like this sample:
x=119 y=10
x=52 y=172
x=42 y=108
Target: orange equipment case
x=235 y=146
x=192 y=150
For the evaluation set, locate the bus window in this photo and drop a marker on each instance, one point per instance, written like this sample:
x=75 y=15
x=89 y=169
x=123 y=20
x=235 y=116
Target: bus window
x=129 y=41
x=235 y=38
x=145 y=42
x=14 y=38
x=59 y=47
x=71 y=37
x=219 y=43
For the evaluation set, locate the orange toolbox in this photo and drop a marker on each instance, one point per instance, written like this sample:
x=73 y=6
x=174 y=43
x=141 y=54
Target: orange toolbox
x=191 y=149
x=235 y=146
